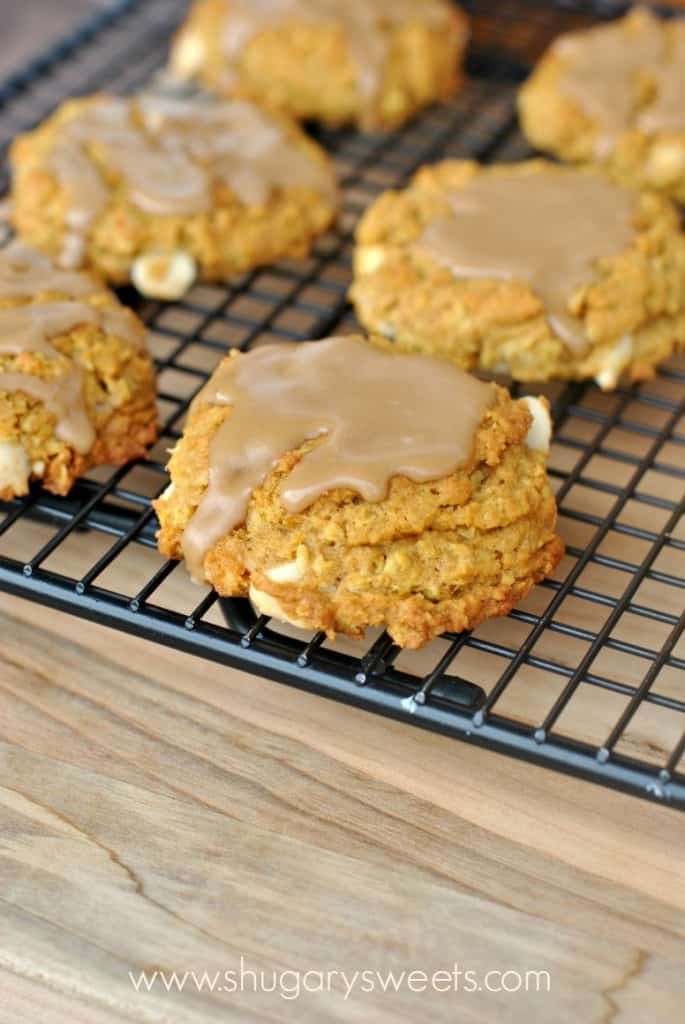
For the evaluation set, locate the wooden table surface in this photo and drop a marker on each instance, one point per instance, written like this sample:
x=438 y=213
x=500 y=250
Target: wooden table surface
x=162 y=813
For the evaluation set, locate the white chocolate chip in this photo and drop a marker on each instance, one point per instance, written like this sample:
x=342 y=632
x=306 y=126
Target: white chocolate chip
x=14 y=467
x=38 y=467
x=368 y=258
x=616 y=362
x=666 y=163
x=604 y=147
x=73 y=251
x=188 y=55
x=291 y=572
x=168 y=491
x=540 y=431
x=164 y=275
x=288 y=572
x=387 y=330
x=302 y=558
x=266 y=604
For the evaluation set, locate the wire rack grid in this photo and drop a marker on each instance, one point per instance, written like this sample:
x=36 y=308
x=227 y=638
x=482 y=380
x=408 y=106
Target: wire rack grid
x=586 y=676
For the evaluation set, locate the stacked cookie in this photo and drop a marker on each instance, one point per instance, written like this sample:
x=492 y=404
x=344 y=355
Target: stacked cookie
x=351 y=481
x=341 y=485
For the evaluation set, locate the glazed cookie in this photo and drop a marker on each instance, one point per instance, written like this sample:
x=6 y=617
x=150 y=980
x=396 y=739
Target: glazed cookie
x=77 y=385
x=160 y=189
x=340 y=485
x=371 y=62
x=531 y=269
x=615 y=95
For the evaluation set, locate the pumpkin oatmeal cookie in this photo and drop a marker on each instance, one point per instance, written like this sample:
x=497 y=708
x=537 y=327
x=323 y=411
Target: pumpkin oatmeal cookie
x=160 y=189
x=614 y=95
x=77 y=385
x=340 y=486
x=535 y=270
x=370 y=62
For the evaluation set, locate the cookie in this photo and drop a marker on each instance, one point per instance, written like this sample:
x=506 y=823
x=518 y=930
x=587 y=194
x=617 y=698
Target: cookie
x=614 y=95
x=340 y=486
x=77 y=386
x=533 y=270
x=159 y=190
x=369 y=62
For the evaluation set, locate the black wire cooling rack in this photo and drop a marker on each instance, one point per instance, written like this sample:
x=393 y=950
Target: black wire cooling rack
x=586 y=676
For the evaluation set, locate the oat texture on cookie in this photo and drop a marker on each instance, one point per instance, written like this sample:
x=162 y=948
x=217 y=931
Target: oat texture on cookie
x=535 y=270
x=341 y=486
x=77 y=385
x=163 y=189
x=373 y=62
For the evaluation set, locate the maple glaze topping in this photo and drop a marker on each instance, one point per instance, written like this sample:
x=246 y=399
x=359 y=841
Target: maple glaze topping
x=63 y=397
x=29 y=328
x=365 y=24
x=604 y=67
x=379 y=415
x=32 y=328
x=666 y=113
x=546 y=230
x=171 y=152
x=25 y=272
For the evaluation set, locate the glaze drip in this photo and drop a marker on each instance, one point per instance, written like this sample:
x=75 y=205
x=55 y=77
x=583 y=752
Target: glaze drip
x=25 y=272
x=63 y=397
x=31 y=328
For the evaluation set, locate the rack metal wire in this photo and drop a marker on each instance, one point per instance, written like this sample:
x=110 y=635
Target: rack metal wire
x=586 y=676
